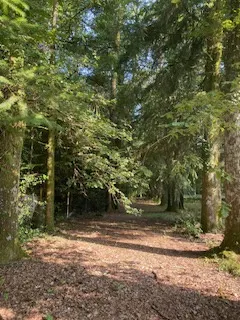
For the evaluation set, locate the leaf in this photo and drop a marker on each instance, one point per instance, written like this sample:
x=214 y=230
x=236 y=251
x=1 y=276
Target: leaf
x=18 y=6
x=5 y=80
x=5 y=296
x=175 y=1
x=2 y=280
x=6 y=105
x=228 y=25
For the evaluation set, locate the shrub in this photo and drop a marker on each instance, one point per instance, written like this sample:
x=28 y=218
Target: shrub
x=189 y=225
x=29 y=207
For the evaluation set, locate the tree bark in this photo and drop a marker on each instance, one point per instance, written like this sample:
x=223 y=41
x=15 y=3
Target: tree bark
x=232 y=186
x=173 y=199
x=10 y=159
x=110 y=203
x=114 y=79
x=211 y=188
x=113 y=92
x=211 y=184
x=232 y=133
x=51 y=181
x=181 y=201
x=49 y=218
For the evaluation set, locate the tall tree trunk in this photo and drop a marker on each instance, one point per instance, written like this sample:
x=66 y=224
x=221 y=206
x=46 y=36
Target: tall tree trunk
x=232 y=133
x=51 y=181
x=211 y=184
x=115 y=75
x=173 y=199
x=232 y=186
x=181 y=201
x=164 y=197
x=49 y=219
x=211 y=187
x=10 y=158
x=113 y=93
x=110 y=203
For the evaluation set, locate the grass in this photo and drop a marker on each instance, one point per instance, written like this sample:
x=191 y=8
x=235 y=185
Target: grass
x=229 y=261
x=226 y=260
x=170 y=217
x=186 y=221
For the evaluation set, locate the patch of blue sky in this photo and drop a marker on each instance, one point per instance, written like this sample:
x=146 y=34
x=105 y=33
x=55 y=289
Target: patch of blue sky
x=128 y=77
x=146 y=61
x=147 y=2
x=88 y=22
x=85 y=71
x=137 y=110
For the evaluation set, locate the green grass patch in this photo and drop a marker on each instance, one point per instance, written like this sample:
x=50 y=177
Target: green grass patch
x=170 y=217
x=227 y=261
x=186 y=221
x=230 y=261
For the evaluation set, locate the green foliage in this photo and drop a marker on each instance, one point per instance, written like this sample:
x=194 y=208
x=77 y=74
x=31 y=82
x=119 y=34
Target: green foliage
x=48 y=317
x=189 y=220
x=189 y=225
x=26 y=233
x=5 y=296
x=150 y=130
x=28 y=200
x=2 y=280
x=16 y=6
x=225 y=208
x=28 y=206
x=228 y=261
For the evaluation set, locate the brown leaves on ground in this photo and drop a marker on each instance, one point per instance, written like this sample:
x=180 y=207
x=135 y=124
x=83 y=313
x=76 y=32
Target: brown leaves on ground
x=115 y=268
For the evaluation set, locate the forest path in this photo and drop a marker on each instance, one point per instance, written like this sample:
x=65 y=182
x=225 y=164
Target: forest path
x=117 y=267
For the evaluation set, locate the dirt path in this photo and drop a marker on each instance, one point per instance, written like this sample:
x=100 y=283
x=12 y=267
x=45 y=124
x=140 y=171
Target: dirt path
x=114 y=268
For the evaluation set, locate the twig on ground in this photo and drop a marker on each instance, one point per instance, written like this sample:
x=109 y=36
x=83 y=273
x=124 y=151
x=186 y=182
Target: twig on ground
x=155 y=308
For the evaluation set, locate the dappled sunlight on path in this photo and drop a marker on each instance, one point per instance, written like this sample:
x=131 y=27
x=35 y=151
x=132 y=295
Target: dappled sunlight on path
x=117 y=268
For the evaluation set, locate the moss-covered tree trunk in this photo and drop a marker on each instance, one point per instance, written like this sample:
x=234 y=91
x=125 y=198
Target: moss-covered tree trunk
x=51 y=181
x=115 y=73
x=11 y=143
x=211 y=184
x=232 y=186
x=211 y=187
x=113 y=92
x=232 y=133
x=49 y=218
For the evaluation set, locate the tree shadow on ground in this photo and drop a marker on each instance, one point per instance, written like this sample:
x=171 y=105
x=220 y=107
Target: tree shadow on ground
x=37 y=288
x=120 y=226
x=137 y=247
x=118 y=234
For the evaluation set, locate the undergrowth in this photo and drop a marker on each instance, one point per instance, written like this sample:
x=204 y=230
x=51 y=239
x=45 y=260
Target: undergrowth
x=189 y=225
x=188 y=221
x=228 y=261
x=26 y=233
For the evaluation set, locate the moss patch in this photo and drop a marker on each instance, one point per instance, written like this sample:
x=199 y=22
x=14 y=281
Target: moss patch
x=228 y=261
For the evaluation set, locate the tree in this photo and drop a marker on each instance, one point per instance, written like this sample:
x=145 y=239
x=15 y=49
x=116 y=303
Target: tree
x=13 y=111
x=211 y=183
x=171 y=56
x=51 y=136
x=232 y=132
